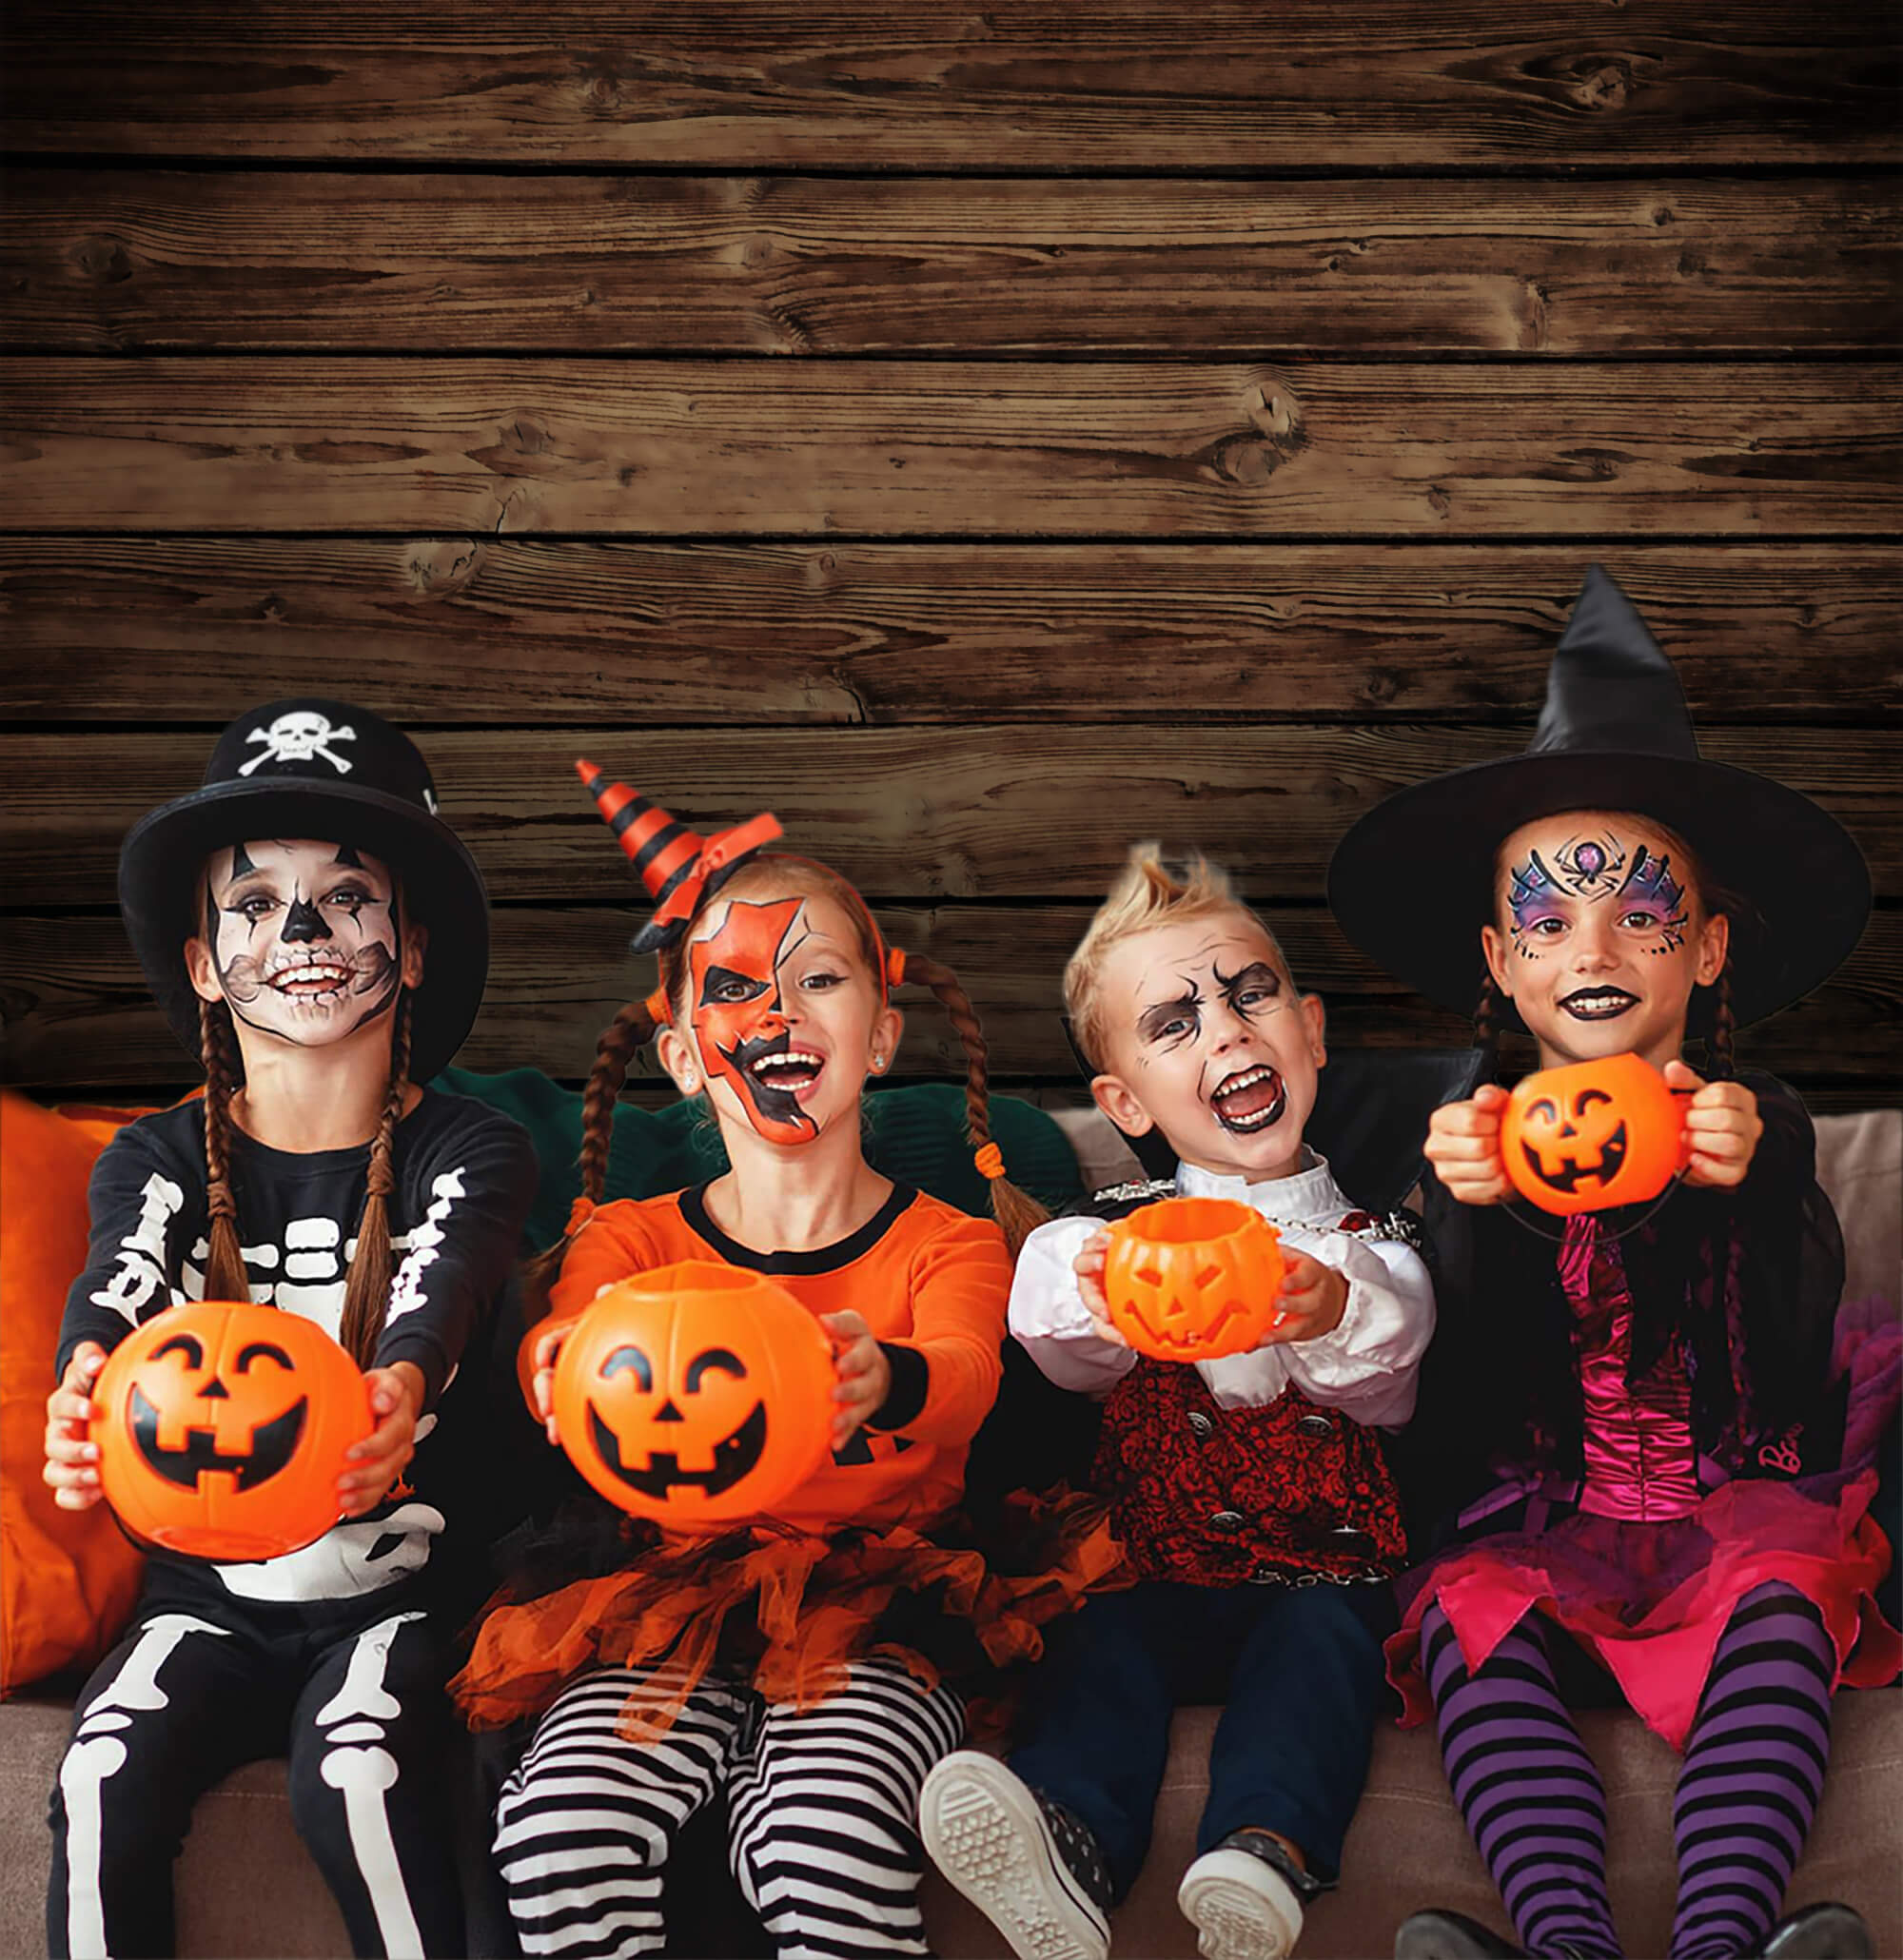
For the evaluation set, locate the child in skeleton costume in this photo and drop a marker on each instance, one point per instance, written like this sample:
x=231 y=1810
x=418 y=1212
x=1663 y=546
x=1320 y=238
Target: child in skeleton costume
x=311 y=925
x=1624 y=1434
x=1250 y=1492
x=777 y=1663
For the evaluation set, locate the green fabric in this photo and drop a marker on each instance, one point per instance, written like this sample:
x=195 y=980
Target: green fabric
x=914 y=1134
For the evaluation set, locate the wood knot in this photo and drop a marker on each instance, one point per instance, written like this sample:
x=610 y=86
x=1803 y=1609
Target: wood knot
x=442 y=564
x=104 y=260
x=1608 y=86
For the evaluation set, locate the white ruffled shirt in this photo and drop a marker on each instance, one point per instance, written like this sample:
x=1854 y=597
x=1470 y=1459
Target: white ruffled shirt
x=1367 y=1368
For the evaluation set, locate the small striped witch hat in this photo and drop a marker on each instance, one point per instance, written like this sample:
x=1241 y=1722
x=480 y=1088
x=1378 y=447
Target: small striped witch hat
x=676 y=864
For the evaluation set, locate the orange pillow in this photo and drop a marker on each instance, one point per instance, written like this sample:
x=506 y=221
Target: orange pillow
x=67 y=1579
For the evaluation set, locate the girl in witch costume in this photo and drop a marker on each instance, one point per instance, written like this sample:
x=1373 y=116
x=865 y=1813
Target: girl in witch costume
x=1624 y=1436
x=793 y=1664
x=321 y=937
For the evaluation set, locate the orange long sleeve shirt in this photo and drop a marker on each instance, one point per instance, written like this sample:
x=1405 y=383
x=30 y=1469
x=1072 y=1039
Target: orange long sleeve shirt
x=930 y=1281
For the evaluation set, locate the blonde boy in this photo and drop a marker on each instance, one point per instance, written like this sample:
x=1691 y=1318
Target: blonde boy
x=1250 y=1492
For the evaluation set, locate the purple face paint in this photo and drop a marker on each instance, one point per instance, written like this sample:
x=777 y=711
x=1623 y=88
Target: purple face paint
x=1652 y=896
x=1534 y=899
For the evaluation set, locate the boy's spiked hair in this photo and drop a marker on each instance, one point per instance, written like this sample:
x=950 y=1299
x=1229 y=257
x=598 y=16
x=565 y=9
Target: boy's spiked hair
x=1151 y=891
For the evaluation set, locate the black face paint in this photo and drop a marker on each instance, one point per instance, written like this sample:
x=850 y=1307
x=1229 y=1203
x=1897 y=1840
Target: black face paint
x=303 y=922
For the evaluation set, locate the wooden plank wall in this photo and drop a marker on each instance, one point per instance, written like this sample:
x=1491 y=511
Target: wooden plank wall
x=981 y=435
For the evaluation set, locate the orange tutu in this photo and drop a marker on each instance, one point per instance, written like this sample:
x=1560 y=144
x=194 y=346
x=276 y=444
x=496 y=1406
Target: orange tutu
x=789 y=1611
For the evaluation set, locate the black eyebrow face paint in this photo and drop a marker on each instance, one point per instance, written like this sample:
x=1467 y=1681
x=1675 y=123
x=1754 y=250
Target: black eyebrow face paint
x=347 y=855
x=241 y=862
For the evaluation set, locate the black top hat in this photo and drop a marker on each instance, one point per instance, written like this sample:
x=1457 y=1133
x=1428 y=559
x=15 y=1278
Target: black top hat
x=312 y=767
x=1412 y=882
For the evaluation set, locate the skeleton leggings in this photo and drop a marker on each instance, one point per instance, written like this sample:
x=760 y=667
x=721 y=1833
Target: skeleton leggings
x=185 y=1698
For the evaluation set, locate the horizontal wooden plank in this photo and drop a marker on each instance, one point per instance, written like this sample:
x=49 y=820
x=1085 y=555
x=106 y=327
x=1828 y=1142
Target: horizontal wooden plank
x=109 y=261
x=76 y=1010
x=906 y=813
x=867 y=84
x=542 y=633
x=890 y=448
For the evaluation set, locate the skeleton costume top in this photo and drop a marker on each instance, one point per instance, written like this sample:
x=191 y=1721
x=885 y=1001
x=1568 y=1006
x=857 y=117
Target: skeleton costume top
x=465 y=1176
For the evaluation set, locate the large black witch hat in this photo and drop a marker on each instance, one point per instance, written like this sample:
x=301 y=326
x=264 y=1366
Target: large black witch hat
x=1412 y=882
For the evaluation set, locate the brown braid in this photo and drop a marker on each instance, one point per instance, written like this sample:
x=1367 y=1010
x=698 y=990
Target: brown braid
x=366 y=1286
x=1718 y=1048
x=1017 y=1211
x=1486 y=1026
x=629 y=1031
x=225 y=1275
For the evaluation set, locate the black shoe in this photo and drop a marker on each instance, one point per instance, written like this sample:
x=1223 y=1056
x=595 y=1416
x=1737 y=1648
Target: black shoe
x=1437 y=1935
x=1824 y=1931
x=1030 y=1867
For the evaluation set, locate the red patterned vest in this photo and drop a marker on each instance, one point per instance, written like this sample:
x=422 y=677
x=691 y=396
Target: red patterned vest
x=1215 y=1497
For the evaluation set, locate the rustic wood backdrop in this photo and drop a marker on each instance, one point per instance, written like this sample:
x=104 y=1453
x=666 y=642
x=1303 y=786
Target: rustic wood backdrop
x=981 y=435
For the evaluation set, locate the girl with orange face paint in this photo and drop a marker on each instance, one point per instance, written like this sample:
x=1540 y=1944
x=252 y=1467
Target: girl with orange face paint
x=784 y=1634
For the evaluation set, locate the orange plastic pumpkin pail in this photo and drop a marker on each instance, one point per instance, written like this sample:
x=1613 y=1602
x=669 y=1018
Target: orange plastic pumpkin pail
x=223 y=1427
x=695 y=1393
x=1188 y=1279
x=1592 y=1135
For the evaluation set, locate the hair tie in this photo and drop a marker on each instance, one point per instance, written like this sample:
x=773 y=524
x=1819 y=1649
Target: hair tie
x=579 y=1215
x=989 y=1160
x=895 y=966
x=657 y=1010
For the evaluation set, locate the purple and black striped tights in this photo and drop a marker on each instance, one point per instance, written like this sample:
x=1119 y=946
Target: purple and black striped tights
x=1532 y=1796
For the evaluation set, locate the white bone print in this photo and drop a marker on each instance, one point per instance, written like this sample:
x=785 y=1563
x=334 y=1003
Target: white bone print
x=96 y=1757
x=353 y=1714
x=298 y=736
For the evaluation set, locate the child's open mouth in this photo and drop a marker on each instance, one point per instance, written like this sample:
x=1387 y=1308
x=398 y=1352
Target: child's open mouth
x=312 y=980
x=1250 y=1100
x=790 y=1070
x=1599 y=1003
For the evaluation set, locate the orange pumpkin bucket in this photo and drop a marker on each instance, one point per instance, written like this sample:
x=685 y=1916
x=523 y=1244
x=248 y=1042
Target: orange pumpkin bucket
x=1188 y=1279
x=223 y=1429
x=695 y=1393
x=1592 y=1135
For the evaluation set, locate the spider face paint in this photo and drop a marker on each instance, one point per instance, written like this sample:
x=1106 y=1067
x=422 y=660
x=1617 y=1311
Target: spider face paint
x=304 y=937
x=1599 y=951
x=739 y=1017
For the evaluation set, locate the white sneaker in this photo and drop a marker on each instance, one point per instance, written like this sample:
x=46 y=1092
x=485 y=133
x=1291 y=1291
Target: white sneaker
x=1027 y=1866
x=1242 y=1908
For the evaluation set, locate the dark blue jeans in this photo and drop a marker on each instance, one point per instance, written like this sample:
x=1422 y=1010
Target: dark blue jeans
x=1299 y=1669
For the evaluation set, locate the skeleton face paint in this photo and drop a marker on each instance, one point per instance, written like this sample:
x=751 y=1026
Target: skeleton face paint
x=304 y=937
x=739 y=1016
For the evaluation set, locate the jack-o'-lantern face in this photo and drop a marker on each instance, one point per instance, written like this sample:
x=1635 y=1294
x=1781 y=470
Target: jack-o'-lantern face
x=224 y=1427
x=695 y=1392
x=1592 y=1135
x=1188 y=1279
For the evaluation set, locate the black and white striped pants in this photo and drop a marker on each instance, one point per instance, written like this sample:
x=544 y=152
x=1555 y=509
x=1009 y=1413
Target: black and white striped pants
x=822 y=1809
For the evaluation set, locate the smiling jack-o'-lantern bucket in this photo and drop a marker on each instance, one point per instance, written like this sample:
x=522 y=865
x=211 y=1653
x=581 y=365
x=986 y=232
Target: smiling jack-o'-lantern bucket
x=1188 y=1279
x=1592 y=1135
x=695 y=1393
x=223 y=1429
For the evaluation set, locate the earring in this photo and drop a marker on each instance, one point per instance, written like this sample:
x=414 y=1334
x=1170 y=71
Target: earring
x=690 y=1082
x=879 y=1063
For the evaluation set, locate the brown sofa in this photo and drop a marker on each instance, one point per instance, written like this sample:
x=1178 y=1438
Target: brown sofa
x=245 y=1887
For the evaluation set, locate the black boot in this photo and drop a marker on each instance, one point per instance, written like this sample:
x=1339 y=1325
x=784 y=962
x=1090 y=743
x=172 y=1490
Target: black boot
x=1823 y=1931
x=1437 y=1935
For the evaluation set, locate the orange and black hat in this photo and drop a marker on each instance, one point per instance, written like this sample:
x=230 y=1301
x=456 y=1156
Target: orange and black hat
x=678 y=865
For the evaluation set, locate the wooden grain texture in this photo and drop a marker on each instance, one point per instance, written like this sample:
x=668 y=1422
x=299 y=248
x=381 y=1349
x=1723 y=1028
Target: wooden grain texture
x=105 y=261
x=662 y=448
x=75 y=1007
x=538 y=631
x=863 y=84
x=968 y=811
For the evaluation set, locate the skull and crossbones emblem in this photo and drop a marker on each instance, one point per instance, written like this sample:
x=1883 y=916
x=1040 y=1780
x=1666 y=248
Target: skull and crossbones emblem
x=298 y=736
